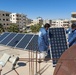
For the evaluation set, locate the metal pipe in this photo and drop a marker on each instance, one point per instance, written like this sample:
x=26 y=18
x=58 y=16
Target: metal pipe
x=16 y=72
x=33 y=63
x=27 y=59
x=36 y=62
x=0 y=72
x=29 y=62
x=39 y=64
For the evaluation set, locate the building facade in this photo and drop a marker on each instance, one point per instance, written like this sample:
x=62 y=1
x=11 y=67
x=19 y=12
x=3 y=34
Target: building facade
x=38 y=20
x=5 y=19
x=60 y=23
x=47 y=21
x=19 y=19
x=28 y=21
x=73 y=17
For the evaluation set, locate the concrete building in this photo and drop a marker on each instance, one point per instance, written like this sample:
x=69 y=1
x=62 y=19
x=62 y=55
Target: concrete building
x=66 y=23
x=47 y=21
x=5 y=19
x=73 y=17
x=28 y=21
x=28 y=24
x=60 y=23
x=39 y=20
x=19 y=19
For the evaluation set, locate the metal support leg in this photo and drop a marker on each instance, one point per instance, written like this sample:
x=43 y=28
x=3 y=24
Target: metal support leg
x=0 y=71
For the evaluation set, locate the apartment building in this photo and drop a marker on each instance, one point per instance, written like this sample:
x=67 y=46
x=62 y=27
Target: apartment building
x=60 y=23
x=19 y=19
x=28 y=21
x=66 y=23
x=5 y=19
x=47 y=21
x=73 y=17
x=38 y=20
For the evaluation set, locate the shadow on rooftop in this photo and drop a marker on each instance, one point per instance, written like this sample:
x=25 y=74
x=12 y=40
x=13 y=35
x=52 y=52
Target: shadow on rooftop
x=21 y=64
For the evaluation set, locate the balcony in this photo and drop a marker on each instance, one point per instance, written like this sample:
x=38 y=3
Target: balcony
x=73 y=13
x=73 y=19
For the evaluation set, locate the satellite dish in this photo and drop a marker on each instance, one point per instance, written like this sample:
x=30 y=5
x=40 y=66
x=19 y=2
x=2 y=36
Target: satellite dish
x=67 y=63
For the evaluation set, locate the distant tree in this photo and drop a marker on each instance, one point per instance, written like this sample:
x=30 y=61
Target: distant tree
x=1 y=28
x=35 y=28
x=13 y=28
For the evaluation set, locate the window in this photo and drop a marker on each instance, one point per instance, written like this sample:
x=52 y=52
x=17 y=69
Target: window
x=3 y=14
x=3 y=19
x=7 y=19
x=7 y=14
x=17 y=15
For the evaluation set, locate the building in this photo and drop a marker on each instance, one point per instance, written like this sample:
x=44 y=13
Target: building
x=5 y=19
x=38 y=20
x=66 y=23
x=73 y=17
x=60 y=23
x=28 y=24
x=28 y=21
x=47 y=21
x=19 y=19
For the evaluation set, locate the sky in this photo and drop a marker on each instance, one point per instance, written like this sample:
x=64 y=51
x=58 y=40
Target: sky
x=47 y=9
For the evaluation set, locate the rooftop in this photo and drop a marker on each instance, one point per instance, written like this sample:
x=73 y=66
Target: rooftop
x=22 y=67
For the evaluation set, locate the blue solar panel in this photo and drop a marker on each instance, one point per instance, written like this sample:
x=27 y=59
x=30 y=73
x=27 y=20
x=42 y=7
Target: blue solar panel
x=25 y=41
x=16 y=40
x=58 y=42
x=6 y=40
x=3 y=36
x=33 y=45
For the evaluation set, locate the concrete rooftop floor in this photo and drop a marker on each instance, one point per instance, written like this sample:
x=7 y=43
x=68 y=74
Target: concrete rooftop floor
x=22 y=67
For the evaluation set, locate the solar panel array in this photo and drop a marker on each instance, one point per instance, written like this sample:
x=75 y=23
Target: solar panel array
x=18 y=40
x=58 y=42
x=23 y=43
x=29 y=41
x=33 y=45
x=8 y=38
x=3 y=36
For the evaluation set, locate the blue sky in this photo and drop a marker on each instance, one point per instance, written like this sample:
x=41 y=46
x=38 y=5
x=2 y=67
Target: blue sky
x=47 y=9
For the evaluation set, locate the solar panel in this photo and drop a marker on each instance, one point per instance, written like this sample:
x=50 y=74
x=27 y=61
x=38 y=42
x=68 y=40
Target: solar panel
x=58 y=42
x=16 y=40
x=33 y=45
x=3 y=36
x=25 y=41
x=8 y=38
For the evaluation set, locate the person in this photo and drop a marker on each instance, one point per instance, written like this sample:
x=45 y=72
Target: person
x=72 y=35
x=68 y=30
x=43 y=43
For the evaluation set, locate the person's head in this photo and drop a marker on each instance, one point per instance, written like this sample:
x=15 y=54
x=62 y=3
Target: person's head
x=73 y=26
x=46 y=26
